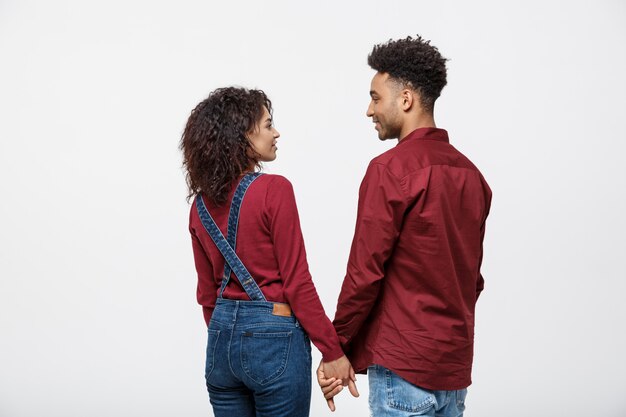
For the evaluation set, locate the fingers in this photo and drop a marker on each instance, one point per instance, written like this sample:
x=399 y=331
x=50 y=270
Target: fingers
x=331 y=385
x=332 y=390
x=331 y=404
x=324 y=383
x=352 y=388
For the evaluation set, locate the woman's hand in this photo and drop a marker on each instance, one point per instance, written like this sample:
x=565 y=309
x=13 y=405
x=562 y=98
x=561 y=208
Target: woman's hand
x=330 y=387
x=332 y=376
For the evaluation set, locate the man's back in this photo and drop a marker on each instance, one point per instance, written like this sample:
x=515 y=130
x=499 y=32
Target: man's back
x=415 y=260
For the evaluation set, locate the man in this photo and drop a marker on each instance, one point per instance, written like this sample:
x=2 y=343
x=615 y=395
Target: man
x=405 y=314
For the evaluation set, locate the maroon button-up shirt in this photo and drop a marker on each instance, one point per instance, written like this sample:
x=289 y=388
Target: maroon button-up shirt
x=413 y=277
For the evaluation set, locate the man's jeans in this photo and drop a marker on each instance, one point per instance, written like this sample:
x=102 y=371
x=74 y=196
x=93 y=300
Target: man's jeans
x=392 y=396
x=257 y=363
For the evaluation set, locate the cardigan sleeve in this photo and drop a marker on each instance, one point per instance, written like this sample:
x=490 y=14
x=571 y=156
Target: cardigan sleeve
x=298 y=286
x=206 y=292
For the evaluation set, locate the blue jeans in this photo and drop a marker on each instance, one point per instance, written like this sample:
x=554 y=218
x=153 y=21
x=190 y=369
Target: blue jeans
x=392 y=396
x=257 y=363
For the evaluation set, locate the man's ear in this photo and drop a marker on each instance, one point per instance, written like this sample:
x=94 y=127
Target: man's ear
x=407 y=97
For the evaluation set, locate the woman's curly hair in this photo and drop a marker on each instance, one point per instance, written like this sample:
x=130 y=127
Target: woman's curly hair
x=413 y=62
x=215 y=147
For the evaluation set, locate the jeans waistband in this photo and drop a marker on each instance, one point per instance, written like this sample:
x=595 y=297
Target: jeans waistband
x=245 y=307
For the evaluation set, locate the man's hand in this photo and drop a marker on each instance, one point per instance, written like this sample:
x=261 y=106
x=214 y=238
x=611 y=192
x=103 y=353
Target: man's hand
x=332 y=376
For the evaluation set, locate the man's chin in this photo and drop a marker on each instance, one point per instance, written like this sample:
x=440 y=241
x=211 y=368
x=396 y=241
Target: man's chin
x=385 y=135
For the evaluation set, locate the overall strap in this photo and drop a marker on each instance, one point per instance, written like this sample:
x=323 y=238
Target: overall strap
x=232 y=260
x=233 y=219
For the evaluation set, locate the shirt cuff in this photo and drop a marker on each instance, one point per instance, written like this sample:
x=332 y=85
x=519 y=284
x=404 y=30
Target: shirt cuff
x=332 y=354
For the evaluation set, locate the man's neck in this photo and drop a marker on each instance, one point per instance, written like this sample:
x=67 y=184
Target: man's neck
x=422 y=120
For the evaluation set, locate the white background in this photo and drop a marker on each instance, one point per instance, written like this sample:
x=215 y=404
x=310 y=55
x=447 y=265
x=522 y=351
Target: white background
x=97 y=286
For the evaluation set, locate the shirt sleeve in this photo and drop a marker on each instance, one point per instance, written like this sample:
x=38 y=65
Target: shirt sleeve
x=298 y=287
x=480 y=285
x=381 y=209
x=206 y=292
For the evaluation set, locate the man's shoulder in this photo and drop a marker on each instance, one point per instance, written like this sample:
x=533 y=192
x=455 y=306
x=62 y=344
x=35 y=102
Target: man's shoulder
x=419 y=154
x=400 y=160
x=386 y=158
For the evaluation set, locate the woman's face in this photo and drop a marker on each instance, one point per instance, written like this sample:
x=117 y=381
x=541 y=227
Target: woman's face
x=263 y=137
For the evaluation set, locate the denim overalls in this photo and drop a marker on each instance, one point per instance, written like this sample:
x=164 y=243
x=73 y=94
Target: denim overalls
x=258 y=359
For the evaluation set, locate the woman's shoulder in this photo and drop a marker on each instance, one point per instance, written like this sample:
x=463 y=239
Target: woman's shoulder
x=275 y=181
x=276 y=188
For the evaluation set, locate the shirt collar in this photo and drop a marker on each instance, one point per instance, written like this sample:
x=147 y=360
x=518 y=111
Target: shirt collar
x=430 y=133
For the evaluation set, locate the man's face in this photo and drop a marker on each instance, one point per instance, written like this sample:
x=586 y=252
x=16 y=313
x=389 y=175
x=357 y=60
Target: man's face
x=385 y=107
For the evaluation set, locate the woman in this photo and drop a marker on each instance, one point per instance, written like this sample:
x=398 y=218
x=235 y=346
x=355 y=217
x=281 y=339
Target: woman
x=261 y=306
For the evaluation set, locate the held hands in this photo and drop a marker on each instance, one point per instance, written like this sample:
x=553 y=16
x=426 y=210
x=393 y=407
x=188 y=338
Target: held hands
x=333 y=376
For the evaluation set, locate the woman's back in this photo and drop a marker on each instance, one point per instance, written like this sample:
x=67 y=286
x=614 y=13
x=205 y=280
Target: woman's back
x=270 y=244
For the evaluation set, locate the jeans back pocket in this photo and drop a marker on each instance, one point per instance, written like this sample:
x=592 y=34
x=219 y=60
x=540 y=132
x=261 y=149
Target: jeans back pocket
x=264 y=355
x=402 y=395
x=460 y=399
